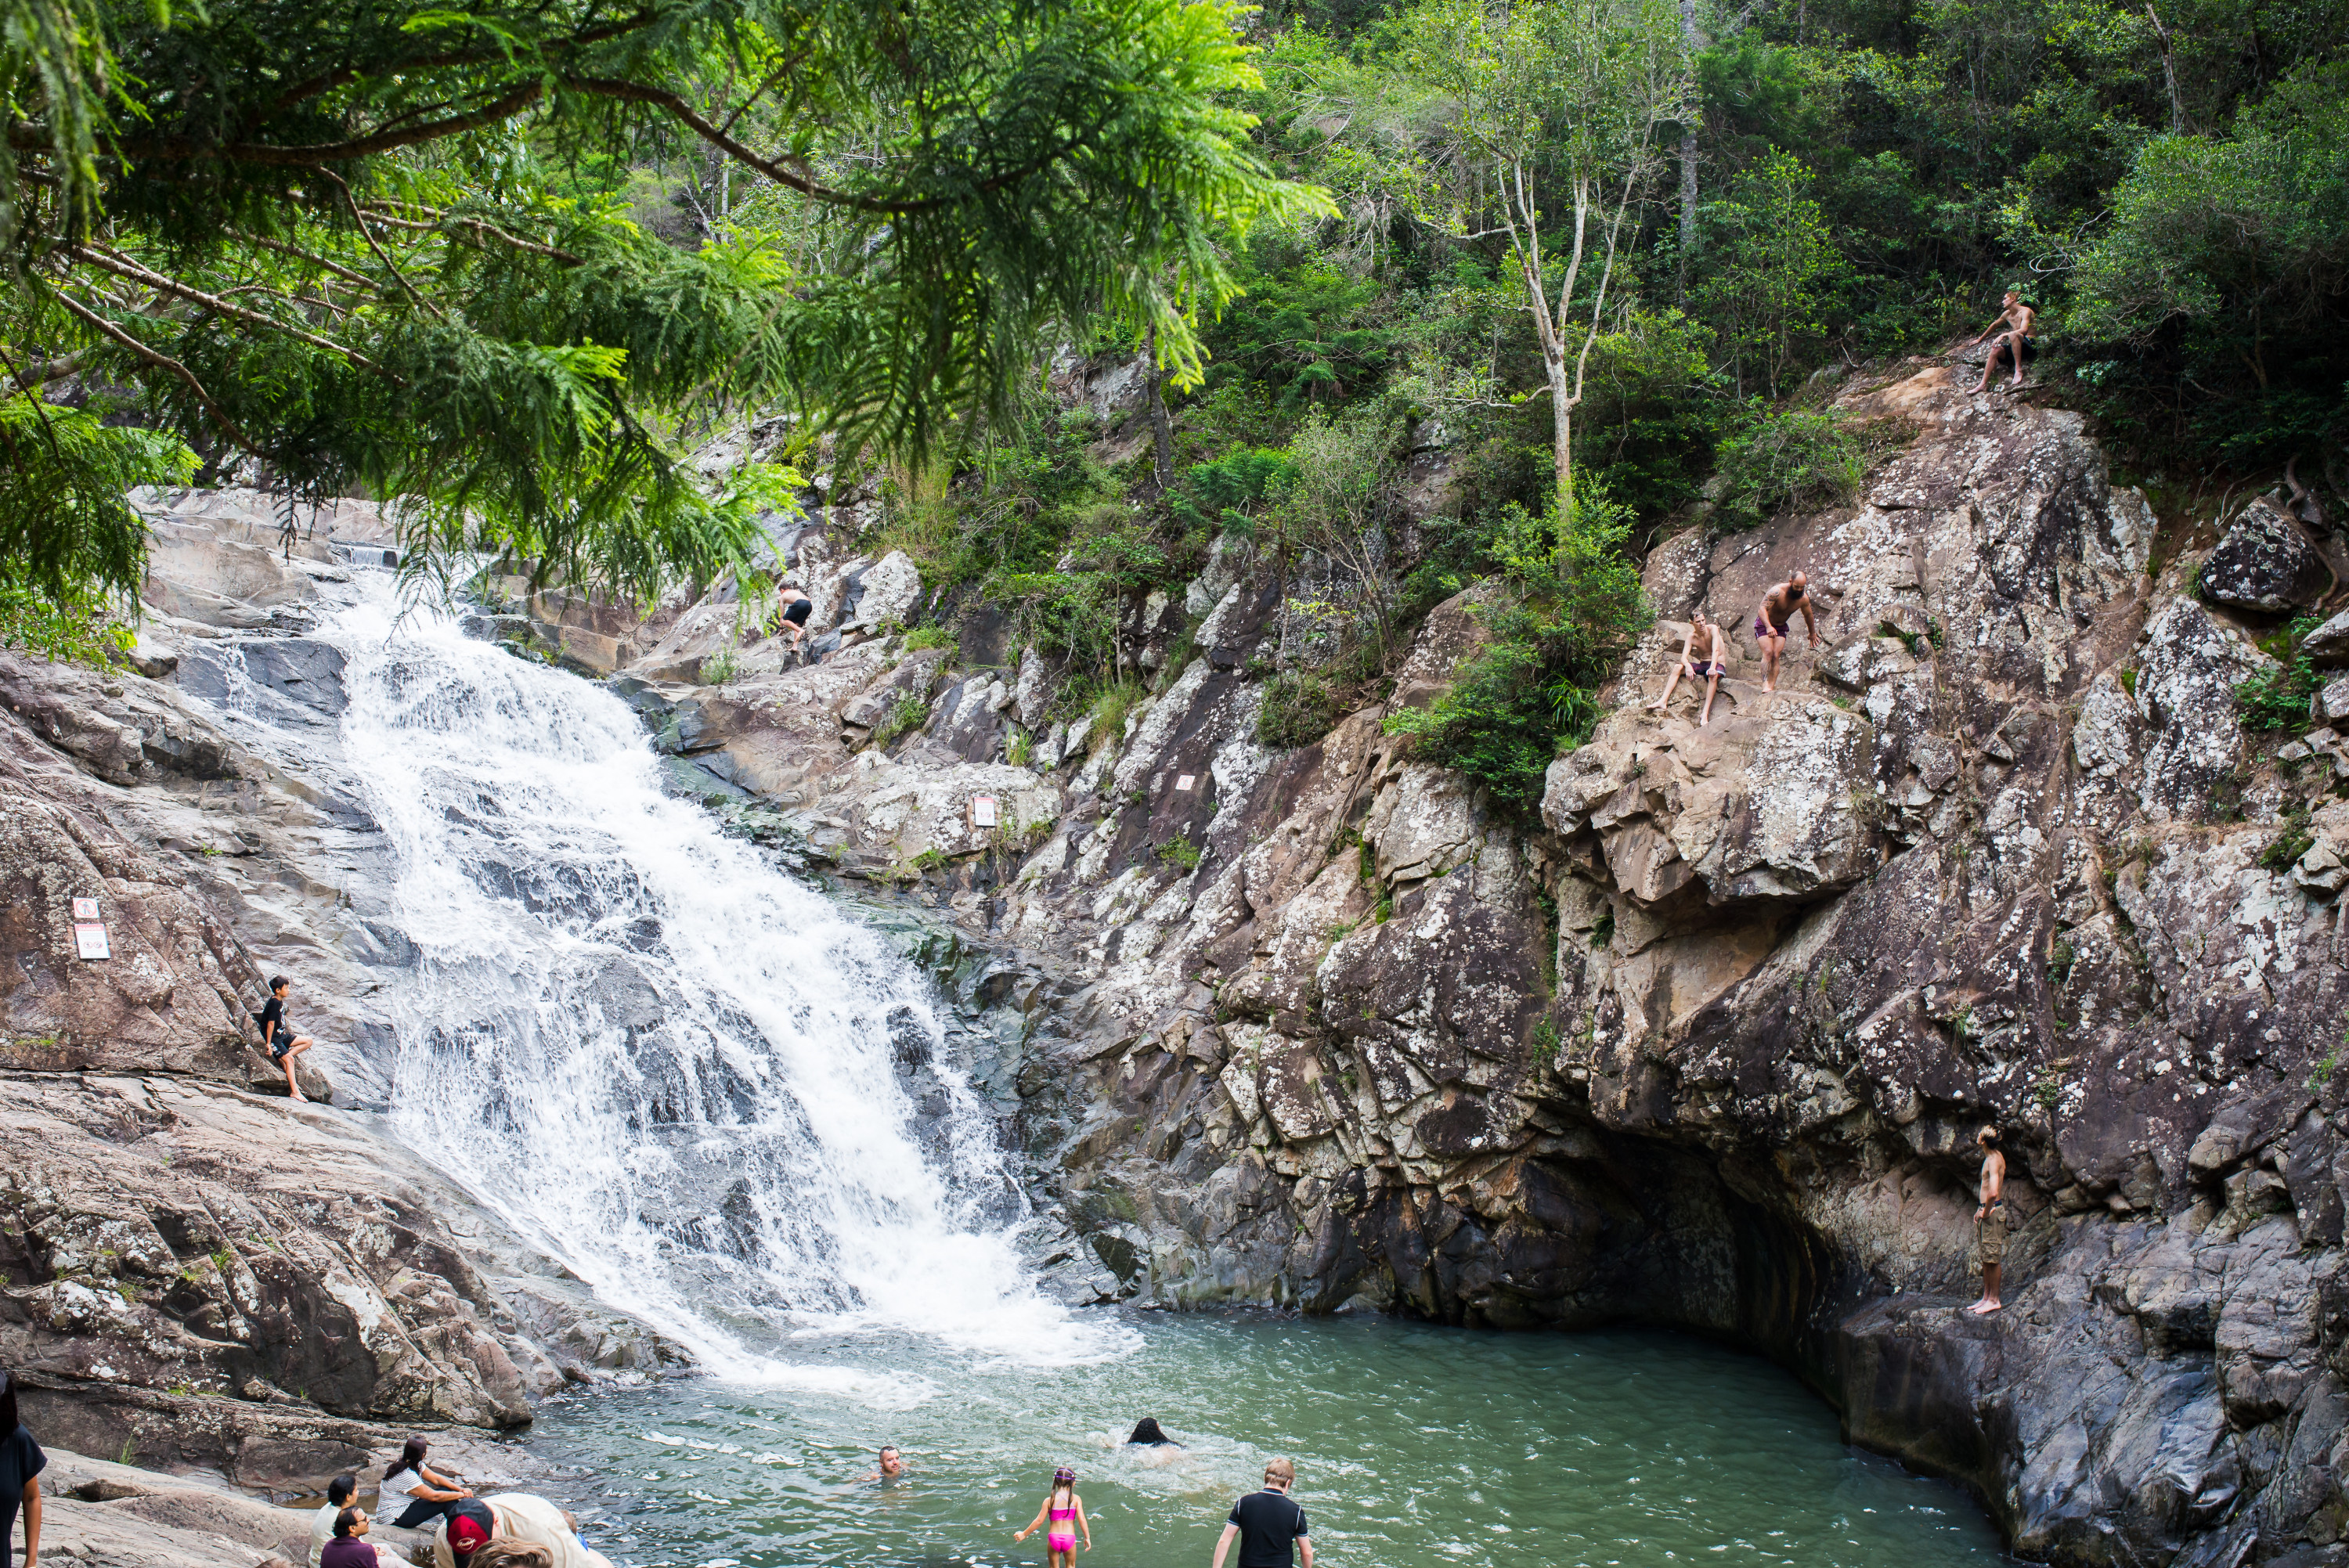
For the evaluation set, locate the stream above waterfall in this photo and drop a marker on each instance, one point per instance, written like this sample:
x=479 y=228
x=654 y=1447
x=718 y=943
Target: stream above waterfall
x=733 y=1109
x=1416 y=1446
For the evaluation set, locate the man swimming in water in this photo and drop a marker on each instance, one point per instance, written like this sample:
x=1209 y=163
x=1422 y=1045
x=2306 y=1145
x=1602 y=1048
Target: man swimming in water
x=1700 y=660
x=1776 y=613
x=2017 y=317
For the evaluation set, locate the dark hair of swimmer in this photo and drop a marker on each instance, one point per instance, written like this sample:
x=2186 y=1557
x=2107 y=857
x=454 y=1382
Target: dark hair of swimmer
x=1146 y=1431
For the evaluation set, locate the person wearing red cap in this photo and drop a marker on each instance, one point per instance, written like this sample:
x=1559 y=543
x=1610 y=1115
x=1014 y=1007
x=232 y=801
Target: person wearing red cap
x=509 y=1518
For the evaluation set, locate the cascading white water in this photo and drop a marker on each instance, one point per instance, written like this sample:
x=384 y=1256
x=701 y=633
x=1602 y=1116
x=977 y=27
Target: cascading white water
x=663 y=1059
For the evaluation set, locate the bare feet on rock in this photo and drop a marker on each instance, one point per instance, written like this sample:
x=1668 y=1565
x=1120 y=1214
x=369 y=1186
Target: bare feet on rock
x=1983 y=1307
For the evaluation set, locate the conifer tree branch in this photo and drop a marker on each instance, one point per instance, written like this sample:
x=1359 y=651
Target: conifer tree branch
x=123 y=267
x=161 y=360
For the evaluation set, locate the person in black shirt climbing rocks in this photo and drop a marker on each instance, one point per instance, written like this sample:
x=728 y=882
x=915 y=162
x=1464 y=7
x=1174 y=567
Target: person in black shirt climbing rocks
x=21 y=1464
x=278 y=1035
x=1268 y=1522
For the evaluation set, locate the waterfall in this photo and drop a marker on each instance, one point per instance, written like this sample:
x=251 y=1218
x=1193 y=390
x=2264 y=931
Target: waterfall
x=688 y=1075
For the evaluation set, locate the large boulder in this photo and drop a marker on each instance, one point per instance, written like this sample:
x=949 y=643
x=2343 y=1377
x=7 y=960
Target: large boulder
x=2265 y=564
x=892 y=589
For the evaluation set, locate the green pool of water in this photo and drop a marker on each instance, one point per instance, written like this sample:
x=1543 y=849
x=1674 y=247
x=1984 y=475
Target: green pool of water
x=1415 y=1447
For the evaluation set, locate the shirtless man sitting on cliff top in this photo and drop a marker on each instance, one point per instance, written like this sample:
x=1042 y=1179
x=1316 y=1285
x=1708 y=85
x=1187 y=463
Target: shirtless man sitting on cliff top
x=1700 y=660
x=1776 y=613
x=2017 y=317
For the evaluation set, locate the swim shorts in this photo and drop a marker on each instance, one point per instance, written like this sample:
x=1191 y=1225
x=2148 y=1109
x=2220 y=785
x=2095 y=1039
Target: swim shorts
x=1697 y=672
x=1990 y=1231
x=1762 y=628
x=797 y=612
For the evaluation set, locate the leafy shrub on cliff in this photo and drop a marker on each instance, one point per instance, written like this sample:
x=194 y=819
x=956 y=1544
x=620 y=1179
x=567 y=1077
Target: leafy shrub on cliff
x=1792 y=459
x=1298 y=709
x=2277 y=699
x=1571 y=606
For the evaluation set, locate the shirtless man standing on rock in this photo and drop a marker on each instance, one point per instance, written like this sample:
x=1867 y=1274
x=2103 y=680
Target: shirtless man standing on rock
x=1990 y=1220
x=1700 y=660
x=1770 y=624
x=2017 y=317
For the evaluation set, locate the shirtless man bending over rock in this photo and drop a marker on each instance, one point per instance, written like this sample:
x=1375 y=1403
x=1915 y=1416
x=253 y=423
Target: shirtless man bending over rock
x=1990 y=1219
x=1777 y=612
x=1700 y=660
x=2017 y=317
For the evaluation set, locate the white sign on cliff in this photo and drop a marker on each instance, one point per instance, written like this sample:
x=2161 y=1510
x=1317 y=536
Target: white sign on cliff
x=982 y=810
x=89 y=941
x=85 y=909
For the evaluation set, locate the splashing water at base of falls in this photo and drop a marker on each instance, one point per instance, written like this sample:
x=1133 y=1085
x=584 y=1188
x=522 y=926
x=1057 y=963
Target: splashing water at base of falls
x=665 y=1060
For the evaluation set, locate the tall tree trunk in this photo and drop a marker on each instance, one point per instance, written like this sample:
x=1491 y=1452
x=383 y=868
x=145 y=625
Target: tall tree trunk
x=1562 y=432
x=2178 y=123
x=1162 y=424
x=1688 y=158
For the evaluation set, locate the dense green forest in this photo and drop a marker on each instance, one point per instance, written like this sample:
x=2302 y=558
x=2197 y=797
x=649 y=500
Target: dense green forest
x=1606 y=254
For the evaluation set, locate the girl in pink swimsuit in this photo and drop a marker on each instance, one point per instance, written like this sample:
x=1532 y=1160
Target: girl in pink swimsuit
x=1066 y=1511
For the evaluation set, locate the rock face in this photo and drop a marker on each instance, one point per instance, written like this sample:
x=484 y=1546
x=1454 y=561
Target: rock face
x=1706 y=1044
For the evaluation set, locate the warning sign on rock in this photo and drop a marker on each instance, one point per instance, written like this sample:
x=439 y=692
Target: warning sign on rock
x=85 y=909
x=89 y=940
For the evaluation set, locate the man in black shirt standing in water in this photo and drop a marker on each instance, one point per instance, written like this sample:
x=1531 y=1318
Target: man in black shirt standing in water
x=1267 y=1521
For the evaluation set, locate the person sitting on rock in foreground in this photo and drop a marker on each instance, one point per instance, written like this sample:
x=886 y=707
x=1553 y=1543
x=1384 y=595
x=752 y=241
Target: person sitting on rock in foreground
x=1990 y=1220
x=278 y=1035
x=1700 y=660
x=2017 y=316
x=342 y=1494
x=348 y=1549
x=1771 y=620
x=422 y=1492
x=484 y=1531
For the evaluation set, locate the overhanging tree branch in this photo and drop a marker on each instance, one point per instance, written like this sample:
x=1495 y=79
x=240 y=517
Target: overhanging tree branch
x=161 y=360
x=123 y=267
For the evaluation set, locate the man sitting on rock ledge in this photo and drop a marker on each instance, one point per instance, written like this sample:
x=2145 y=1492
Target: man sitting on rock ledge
x=1990 y=1220
x=1700 y=660
x=278 y=1035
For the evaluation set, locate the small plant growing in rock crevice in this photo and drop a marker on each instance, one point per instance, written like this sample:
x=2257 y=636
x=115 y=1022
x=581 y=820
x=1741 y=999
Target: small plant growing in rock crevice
x=1180 y=852
x=2277 y=699
x=2286 y=848
x=922 y=637
x=906 y=715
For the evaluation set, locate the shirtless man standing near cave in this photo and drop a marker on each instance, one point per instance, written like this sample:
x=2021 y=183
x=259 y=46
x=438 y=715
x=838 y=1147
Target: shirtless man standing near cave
x=1771 y=620
x=1990 y=1219
x=1700 y=660
x=2017 y=317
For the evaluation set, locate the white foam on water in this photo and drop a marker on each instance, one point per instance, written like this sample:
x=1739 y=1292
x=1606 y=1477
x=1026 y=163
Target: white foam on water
x=659 y=1055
